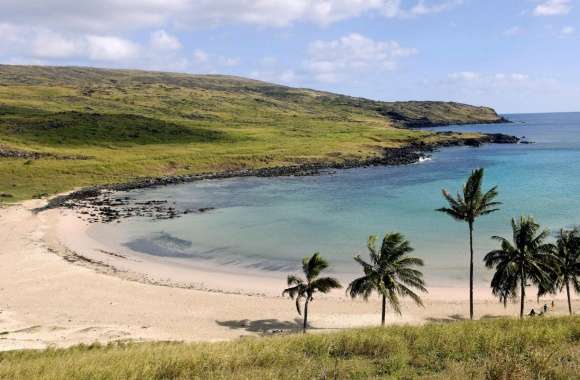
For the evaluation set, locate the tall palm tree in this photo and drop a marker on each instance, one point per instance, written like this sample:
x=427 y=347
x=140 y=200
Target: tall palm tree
x=528 y=260
x=467 y=206
x=299 y=288
x=568 y=254
x=391 y=273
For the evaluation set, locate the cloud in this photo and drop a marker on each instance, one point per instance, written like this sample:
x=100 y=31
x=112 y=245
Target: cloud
x=110 y=16
x=514 y=31
x=92 y=16
x=464 y=76
x=495 y=83
x=341 y=59
x=200 y=56
x=210 y=63
x=424 y=8
x=553 y=8
x=110 y=48
x=162 y=40
x=24 y=42
x=567 y=31
x=53 y=45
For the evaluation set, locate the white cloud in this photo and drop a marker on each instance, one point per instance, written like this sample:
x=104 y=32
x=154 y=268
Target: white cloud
x=553 y=8
x=423 y=8
x=162 y=40
x=110 y=16
x=211 y=63
x=110 y=48
x=92 y=16
x=338 y=60
x=228 y=61
x=464 y=76
x=53 y=45
x=514 y=31
x=27 y=43
x=474 y=82
x=200 y=56
x=567 y=31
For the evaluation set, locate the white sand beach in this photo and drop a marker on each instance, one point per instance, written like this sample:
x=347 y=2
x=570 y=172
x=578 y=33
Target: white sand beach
x=59 y=288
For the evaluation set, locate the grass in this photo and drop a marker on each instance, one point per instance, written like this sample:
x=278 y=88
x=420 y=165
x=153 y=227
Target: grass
x=134 y=124
x=539 y=348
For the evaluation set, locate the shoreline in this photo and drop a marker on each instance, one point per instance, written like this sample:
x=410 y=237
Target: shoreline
x=405 y=155
x=46 y=301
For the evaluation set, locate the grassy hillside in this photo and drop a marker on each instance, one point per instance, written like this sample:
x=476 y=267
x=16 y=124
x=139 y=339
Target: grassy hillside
x=93 y=126
x=540 y=348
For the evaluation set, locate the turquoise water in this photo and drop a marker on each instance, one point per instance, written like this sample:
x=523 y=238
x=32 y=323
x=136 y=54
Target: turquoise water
x=271 y=223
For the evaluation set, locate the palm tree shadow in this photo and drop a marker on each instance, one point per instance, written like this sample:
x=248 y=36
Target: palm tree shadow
x=449 y=319
x=263 y=326
x=490 y=316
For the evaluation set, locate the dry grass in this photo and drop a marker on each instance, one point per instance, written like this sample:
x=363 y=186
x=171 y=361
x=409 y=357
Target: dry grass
x=540 y=348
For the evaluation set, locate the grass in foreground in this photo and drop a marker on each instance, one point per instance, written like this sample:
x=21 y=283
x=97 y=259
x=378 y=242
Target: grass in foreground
x=540 y=348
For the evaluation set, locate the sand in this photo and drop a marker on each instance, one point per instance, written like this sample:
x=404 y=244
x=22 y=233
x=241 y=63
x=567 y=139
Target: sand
x=58 y=288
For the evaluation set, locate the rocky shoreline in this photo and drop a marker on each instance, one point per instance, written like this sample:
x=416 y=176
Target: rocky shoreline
x=422 y=124
x=101 y=204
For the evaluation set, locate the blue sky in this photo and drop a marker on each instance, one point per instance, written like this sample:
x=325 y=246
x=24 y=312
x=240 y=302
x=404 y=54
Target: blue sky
x=516 y=55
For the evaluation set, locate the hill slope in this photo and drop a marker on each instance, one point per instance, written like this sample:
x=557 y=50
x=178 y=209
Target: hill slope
x=89 y=126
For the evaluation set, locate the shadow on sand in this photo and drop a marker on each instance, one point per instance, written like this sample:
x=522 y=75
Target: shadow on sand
x=263 y=326
x=459 y=317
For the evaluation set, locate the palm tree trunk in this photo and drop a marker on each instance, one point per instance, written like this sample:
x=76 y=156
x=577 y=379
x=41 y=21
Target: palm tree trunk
x=305 y=325
x=384 y=310
x=470 y=270
x=523 y=292
x=568 y=295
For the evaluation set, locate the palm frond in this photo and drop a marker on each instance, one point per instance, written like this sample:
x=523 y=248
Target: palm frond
x=325 y=284
x=361 y=287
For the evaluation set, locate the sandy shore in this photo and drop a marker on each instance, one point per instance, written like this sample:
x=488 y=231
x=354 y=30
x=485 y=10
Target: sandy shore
x=60 y=288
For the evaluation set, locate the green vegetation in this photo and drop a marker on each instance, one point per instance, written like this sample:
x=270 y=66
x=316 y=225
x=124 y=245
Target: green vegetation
x=391 y=273
x=535 y=348
x=305 y=289
x=568 y=256
x=470 y=204
x=134 y=124
x=529 y=260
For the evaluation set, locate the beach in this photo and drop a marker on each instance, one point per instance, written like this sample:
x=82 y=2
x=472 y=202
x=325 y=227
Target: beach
x=58 y=288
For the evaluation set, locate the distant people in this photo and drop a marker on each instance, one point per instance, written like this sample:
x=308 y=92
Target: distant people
x=545 y=308
x=532 y=313
x=552 y=306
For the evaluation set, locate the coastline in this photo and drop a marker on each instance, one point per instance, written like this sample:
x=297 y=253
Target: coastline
x=405 y=155
x=52 y=295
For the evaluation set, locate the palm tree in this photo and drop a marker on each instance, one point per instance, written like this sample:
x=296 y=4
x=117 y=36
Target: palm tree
x=391 y=273
x=568 y=254
x=299 y=288
x=528 y=259
x=467 y=207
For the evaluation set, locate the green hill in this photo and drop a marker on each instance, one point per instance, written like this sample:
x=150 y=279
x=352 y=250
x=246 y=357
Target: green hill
x=64 y=127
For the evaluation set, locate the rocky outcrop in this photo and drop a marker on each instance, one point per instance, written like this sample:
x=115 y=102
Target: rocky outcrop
x=31 y=155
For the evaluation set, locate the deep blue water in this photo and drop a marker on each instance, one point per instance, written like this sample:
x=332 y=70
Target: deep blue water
x=271 y=223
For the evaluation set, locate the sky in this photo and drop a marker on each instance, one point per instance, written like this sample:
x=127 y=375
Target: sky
x=513 y=55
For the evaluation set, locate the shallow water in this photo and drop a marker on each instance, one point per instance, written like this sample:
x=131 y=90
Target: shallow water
x=271 y=223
